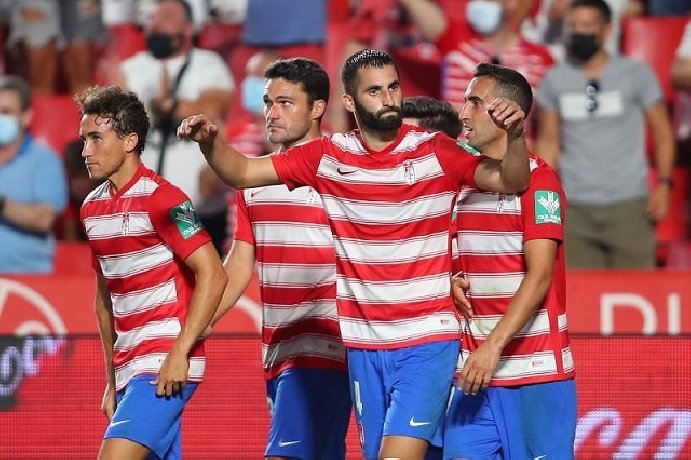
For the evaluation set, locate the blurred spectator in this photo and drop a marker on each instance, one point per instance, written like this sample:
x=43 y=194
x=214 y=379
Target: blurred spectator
x=432 y=115
x=497 y=24
x=44 y=28
x=669 y=7
x=32 y=186
x=592 y=128
x=681 y=80
x=79 y=184
x=175 y=80
x=551 y=18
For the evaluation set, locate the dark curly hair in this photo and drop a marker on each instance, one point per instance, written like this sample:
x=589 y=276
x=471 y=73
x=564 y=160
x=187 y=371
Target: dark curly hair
x=124 y=109
x=361 y=60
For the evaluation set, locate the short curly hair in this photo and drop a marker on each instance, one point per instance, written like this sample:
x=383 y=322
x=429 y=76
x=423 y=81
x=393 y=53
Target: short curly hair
x=122 y=107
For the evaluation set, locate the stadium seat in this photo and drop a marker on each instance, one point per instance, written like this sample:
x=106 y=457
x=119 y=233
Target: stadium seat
x=654 y=40
x=125 y=40
x=56 y=120
x=219 y=36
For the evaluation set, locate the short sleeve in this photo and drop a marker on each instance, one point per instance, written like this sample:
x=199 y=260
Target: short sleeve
x=50 y=184
x=175 y=221
x=684 y=48
x=543 y=206
x=298 y=165
x=243 y=226
x=546 y=95
x=647 y=85
x=458 y=164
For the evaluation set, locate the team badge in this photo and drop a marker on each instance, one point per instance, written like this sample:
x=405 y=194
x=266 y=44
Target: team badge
x=547 y=207
x=186 y=218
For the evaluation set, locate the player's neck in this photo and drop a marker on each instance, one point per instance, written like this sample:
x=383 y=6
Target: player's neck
x=313 y=133
x=125 y=172
x=378 y=140
x=496 y=149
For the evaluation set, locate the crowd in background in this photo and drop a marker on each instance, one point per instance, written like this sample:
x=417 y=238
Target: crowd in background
x=210 y=58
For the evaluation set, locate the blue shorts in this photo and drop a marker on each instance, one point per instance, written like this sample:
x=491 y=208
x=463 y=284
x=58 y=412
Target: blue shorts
x=150 y=420
x=400 y=392
x=310 y=411
x=529 y=421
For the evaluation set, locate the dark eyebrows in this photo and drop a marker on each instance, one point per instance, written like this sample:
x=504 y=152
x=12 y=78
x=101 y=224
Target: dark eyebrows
x=473 y=99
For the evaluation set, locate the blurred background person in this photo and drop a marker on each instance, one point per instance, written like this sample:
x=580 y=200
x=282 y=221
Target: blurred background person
x=592 y=126
x=432 y=115
x=33 y=190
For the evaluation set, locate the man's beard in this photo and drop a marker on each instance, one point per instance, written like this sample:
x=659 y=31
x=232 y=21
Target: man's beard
x=376 y=121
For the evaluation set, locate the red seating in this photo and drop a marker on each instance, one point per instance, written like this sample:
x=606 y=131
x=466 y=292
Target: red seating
x=674 y=227
x=219 y=36
x=654 y=40
x=56 y=120
x=126 y=40
x=72 y=259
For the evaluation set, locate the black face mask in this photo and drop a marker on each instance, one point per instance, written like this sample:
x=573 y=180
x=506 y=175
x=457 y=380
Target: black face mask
x=583 y=46
x=162 y=45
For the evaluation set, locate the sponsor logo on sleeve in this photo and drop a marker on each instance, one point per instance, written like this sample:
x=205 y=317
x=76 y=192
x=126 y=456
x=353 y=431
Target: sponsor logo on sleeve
x=186 y=218
x=547 y=207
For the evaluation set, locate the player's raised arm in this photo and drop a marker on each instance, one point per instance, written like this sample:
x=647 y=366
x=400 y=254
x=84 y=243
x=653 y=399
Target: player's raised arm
x=512 y=173
x=232 y=167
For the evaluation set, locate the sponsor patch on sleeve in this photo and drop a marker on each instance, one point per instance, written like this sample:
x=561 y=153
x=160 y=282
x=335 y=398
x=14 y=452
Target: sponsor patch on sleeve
x=186 y=218
x=547 y=207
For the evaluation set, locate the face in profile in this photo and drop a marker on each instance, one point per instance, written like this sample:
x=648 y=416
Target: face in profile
x=479 y=128
x=377 y=99
x=104 y=152
x=289 y=115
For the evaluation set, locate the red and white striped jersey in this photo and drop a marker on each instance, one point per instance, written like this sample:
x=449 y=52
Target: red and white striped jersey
x=139 y=238
x=389 y=213
x=296 y=263
x=492 y=229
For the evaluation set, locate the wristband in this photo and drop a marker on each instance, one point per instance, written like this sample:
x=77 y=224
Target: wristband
x=660 y=180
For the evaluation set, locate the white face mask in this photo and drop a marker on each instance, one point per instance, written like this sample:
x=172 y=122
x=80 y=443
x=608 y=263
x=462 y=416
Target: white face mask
x=484 y=16
x=9 y=129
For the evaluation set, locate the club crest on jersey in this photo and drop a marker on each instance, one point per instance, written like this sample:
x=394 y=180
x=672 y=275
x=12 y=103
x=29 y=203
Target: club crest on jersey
x=125 y=224
x=547 y=207
x=186 y=219
x=409 y=172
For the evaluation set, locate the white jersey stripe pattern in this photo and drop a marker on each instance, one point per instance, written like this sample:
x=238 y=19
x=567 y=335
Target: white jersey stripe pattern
x=135 y=302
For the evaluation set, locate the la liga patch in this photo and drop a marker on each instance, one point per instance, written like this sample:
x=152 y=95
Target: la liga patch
x=186 y=218
x=547 y=207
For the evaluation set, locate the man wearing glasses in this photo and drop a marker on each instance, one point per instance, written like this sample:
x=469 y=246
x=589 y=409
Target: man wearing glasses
x=593 y=112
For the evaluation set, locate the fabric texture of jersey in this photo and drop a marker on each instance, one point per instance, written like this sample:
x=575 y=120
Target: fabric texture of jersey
x=297 y=274
x=492 y=229
x=139 y=238
x=389 y=212
x=530 y=421
x=150 y=420
x=310 y=413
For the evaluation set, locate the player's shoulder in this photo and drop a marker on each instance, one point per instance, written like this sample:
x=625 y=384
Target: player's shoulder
x=542 y=173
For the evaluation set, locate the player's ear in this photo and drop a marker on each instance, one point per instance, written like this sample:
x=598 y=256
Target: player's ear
x=131 y=141
x=318 y=109
x=349 y=102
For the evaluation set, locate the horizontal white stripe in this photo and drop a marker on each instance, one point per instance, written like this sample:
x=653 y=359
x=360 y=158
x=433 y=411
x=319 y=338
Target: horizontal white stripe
x=145 y=186
x=145 y=299
x=150 y=364
x=517 y=367
x=388 y=213
x=485 y=202
x=412 y=140
x=394 y=292
x=348 y=142
x=481 y=326
x=393 y=332
x=282 y=315
x=497 y=285
x=294 y=275
x=318 y=345
x=280 y=195
x=398 y=251
x=122 y=223
x=292 y=234
x=405 y=173
x=481 y=243
x=167 y=328
x=567 y=359
x=132 y=263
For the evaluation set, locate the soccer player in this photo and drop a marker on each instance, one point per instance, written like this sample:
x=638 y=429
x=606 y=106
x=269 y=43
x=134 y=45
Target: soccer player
x=515 y=394
x=388 y=191
x=288 y=234
x=159 y=281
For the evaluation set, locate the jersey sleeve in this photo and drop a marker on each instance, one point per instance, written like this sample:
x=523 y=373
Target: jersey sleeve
x=243 y=226
x=176 y=222
x=543 y=206
x=298 y=165
x=458 y=164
